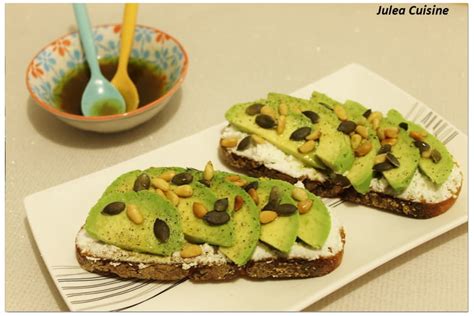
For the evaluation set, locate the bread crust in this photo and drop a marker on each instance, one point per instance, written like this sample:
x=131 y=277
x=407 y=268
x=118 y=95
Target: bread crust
x=278 y=268
x=378 y=200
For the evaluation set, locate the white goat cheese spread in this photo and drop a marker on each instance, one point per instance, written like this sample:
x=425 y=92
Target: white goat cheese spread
x=421 y=189
x=273 y=158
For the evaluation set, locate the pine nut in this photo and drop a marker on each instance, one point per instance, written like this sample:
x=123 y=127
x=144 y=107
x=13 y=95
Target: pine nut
x=229 y=142
x=238 y=202
x=304 y=206
x=361 y=121
x=208 y=171
x=257 y=139
x=172 y=197
x=379 y=158
x=160 y=193
x=381 y=133
x=240 y=183
x=299 y=194
x=190 y=251
x=340 y=112
x=364 y=148
x=281 y=124
x=233 y=178
x=283 y=109
x=184 y=190
x=134 y=214
x=362 y=131
x=389 y=141
x=253 y=194
x=374 y=115
x=375 y=123
x=356 y=139
x=267 y=216
x=417 y=135
x=268 y=110
x=167 y=175
x=161 y=184
x=307 y=147
x=314 y=135
x=391 y=132
x=426 y=153
x=199 y=210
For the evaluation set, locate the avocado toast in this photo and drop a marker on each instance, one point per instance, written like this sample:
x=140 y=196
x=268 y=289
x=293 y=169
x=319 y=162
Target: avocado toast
x=343 y=150
x=170 y=223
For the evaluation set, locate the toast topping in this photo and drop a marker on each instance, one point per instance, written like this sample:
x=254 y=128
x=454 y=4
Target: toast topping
x=216 y=218
x=113 y=208
x=268 y=216
x=134 y=214
x=141 y=183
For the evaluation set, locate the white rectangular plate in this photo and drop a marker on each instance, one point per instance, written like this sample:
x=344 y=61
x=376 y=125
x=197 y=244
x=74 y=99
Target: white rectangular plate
x=373 y=237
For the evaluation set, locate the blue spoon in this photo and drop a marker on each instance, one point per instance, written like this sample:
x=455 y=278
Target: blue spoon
x=100 y=97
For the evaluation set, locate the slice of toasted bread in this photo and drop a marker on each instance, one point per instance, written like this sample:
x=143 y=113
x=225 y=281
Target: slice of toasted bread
x=95 y=256
x=329 y=188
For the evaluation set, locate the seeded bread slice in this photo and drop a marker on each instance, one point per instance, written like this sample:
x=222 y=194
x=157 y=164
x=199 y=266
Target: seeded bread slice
x=332 y=189
x=92 y=260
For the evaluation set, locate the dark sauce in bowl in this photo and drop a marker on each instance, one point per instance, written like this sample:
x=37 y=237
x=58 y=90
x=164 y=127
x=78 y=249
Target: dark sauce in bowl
x=148 y=79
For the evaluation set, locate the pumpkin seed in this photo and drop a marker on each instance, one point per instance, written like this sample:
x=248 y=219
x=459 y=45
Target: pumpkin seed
x=205 y=182
x=300 y=133
x=251 y=185
x=182 y=178
x=190 y=251
x=244 y=143
x=273 y=199
x=367 y=113
x=265 y=121
x=161 y=230
x=141 y=183
x=393 y=160
x=113 y=208
x=421 y=145
x=254 y=109
x=216 y=218
x=268 y=216
x=313 y=116
x=238 y=202
x=386 y=148
x=221 y=205
x=285 y=209
x=403 y=125
x=436 y=156
x=384 y=166
x=347 y=127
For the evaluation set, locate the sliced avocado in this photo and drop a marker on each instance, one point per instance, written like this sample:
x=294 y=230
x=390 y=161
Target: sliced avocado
x=282 y=232
x=123 y=183
x=360 y=175
x=195 y=229
x=120 y=231
x=408 y=156
x=246 y=219
x=238 y=117
x=439 y=172
x=334 y=148
x=315 y=225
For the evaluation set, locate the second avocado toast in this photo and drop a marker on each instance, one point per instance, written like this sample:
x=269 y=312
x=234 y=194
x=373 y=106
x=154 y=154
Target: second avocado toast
x=169 y=223
x=343 y=150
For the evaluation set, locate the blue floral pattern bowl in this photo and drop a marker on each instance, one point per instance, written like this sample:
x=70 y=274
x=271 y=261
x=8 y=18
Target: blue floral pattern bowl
x=54 y=61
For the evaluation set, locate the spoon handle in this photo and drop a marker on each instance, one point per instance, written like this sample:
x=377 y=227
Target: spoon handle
x=126 y=37
x=87 y=38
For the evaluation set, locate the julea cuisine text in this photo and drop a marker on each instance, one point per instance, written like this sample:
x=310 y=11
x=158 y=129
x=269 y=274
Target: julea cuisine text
x=413 y=10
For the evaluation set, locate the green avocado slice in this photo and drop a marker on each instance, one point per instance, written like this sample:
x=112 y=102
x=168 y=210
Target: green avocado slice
x=439 y=172
x=120 y=231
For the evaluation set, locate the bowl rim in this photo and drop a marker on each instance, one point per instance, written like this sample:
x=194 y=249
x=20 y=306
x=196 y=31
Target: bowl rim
x=138 y=111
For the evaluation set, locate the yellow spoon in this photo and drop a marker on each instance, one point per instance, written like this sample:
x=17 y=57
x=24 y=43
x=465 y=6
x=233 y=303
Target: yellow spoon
x=121 y=80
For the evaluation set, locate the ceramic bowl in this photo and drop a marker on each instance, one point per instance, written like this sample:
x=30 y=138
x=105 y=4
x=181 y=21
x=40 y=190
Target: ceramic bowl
x=58 y=58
